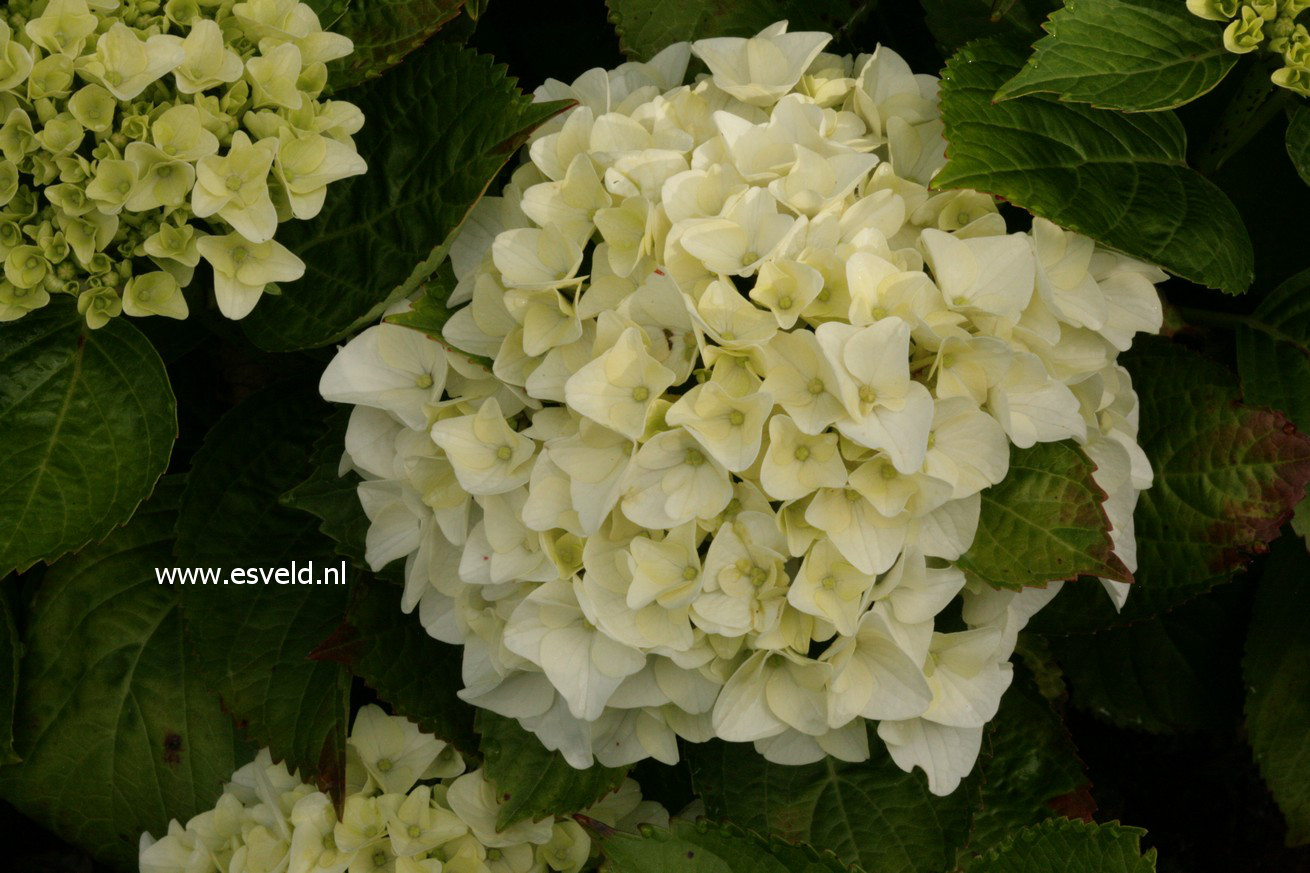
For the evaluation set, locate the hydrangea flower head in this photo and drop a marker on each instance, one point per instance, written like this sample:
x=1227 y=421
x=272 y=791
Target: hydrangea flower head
x=1265 y=24
x=410 y=807
x=139 y=136
x=724 y=383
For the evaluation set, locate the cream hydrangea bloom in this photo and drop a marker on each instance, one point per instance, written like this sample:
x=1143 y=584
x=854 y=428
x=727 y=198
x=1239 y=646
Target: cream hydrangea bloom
x=409 y=805
x=743 y=376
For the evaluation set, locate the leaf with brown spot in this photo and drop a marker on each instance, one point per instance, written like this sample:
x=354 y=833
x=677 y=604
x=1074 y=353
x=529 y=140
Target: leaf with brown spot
x=117 y=729
x=417 y=675
x=255 y=639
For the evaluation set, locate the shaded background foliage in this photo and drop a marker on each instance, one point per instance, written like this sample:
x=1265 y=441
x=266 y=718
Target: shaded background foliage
x=1147 y=718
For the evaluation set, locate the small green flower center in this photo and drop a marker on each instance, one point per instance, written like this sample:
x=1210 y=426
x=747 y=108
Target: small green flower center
x=785 y=302
x=828 y=582
x=689 y=573
x=385 y=765
x=815 y=386
x=504 y=453
x=379 y=858
x=736 y=418
x=693 y=458
x=641 y=394
x=868 y=395
x=233 y=182
x=758 y=576
x=802 y=453
x=889 y=472
x=424 y=380
x=414 y=831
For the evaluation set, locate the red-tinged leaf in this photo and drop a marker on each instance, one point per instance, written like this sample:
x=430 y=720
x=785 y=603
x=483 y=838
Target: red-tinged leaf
x=1030 y=769
x=1227 y=477
x=1043 y=523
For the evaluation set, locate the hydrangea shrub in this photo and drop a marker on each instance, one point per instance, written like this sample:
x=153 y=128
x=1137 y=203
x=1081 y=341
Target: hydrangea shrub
x=746 y=418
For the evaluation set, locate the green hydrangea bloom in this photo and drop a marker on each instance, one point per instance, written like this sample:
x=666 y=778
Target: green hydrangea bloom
x=1261 y=24
x=133 y=131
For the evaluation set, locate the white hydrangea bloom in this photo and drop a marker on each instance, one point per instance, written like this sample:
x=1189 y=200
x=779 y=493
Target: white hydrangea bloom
x=748 y=377
x=409 y=806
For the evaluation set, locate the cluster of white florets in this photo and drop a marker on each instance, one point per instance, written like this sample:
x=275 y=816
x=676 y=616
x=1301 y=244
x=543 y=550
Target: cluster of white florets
x=140 y=137
x=695 y=458
x=409 y=808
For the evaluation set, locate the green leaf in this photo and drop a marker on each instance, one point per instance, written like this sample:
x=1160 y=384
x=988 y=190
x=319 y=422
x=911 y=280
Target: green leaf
x=956 y=22
x=1277 y=671
x=256 y=638
x=117 y=733
x=88 y=421
x=1301 y=520
x=1059 y=845
x=1120 y=179
x=535 y=782
x=1226 y=478
x=1273 y=351
x=848 y=808
x=415 y=674
x=384 y=32
x=439 y=129
x=1298 y=142
x=1133 y=55
x=702 y=847
x=1029 y=765
x=11 y=648
x=328 y=11
x=1044 y=522
x=645 y=27
x=430 y=312
x=1175 y=672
